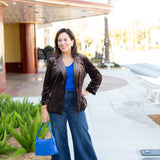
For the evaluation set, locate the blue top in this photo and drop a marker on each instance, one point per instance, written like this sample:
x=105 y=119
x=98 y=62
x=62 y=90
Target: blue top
x=70 y=78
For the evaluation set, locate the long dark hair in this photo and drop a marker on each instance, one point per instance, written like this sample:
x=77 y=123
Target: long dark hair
x=57 y=51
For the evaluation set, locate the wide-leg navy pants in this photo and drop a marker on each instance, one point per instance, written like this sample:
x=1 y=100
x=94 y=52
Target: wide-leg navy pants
x=83 y=148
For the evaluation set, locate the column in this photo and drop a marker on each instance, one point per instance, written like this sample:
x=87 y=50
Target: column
x=2 y=66
x=28 y=48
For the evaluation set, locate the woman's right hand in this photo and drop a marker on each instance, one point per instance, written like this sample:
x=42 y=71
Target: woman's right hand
x=44 y=114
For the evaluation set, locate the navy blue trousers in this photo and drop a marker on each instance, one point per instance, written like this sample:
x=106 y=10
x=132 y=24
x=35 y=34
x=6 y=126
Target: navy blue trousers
x=83 y=148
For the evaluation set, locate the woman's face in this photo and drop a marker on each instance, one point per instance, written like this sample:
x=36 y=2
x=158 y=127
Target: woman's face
x=65 y=43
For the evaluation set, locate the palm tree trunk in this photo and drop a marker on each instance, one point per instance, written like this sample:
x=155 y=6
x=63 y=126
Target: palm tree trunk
x=106 y=39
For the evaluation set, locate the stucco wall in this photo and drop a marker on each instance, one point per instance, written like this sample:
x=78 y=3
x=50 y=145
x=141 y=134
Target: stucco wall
x=12 y=43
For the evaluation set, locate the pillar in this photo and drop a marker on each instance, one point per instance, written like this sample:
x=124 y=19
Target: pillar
x=28 y=48
x=2 y=66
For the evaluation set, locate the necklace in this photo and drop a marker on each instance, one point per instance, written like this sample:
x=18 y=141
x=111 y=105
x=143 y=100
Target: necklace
x=66 y=56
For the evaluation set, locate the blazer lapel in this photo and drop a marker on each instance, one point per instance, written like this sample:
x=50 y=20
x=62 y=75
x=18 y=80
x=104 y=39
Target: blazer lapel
x=61 y=66
x=76 y=68
x=63 y=69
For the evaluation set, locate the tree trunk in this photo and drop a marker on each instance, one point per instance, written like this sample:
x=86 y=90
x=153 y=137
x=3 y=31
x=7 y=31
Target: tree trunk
x=106 y=39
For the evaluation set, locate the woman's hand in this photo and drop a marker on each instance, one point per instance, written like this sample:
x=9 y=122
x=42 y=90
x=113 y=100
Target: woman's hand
x=84 y=92
x=44 y=114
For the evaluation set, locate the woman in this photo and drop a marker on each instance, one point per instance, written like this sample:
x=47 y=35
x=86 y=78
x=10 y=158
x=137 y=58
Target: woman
x=64 y=99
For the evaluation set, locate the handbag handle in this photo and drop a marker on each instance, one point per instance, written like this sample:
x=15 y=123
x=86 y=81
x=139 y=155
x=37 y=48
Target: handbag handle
x=41 y=128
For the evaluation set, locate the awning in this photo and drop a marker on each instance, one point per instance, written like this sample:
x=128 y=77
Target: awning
x=47 y=11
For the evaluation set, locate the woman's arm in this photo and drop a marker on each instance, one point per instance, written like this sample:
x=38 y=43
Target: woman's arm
x=95 y=76
x=46 y=85
x=84 y=92
x=45 y=94
x=44 y=114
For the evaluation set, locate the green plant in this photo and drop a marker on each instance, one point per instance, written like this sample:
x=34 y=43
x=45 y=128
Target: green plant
x=2 y=131
x=116 y=64
x=8 y=105
x=49 y=49
x=11 y=119
x=5 y=99
x=23 y=115
x=96 y=60
x=48 y=46
x=28 y=130
x=41 y=57
x=102 y=65
x=4 y=148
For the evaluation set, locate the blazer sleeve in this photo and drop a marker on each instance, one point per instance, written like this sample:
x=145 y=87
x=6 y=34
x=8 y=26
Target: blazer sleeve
x=46 y=85
x=95 y=75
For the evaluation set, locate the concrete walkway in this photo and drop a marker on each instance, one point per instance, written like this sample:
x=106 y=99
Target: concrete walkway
x=118 y=117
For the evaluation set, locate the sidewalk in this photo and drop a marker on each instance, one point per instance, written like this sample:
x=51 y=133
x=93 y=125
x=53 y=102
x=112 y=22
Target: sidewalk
x=117 y=116
x=119 y=122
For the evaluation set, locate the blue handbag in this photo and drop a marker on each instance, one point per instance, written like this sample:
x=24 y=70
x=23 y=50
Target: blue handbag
x=45 y=147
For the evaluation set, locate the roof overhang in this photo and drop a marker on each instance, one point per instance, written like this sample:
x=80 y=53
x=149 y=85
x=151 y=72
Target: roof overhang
x=47 y=11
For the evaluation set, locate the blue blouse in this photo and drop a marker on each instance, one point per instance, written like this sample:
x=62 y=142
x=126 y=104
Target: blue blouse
x=70 y=78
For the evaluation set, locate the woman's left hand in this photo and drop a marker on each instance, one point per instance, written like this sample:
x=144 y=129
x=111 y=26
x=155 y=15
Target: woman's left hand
x=84 y=92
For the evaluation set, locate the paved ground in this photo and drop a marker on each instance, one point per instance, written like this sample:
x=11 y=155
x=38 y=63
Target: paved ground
x=145 y=69
x=119 y=119
x=30 y=85
x=117 y=116
x=125 y=57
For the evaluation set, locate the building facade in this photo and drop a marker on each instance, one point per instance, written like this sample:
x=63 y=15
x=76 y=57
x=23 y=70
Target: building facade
x=18 y=19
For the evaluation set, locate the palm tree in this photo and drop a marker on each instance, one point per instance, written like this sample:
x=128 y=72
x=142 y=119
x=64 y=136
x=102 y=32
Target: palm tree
x=106 y=39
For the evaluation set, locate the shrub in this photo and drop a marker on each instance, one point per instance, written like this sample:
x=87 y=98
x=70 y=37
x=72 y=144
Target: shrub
x=4 y=148
x=116 y=64
x=9 y=106
x=28 y=130
x=11 y=119
x=102 y=65
x=23 y=115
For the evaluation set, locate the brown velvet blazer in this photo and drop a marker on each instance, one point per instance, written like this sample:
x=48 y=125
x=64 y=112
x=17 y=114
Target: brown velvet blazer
x=55 y=79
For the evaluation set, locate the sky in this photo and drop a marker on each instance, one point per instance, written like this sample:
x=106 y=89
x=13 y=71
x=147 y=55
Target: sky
x=126 y=10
